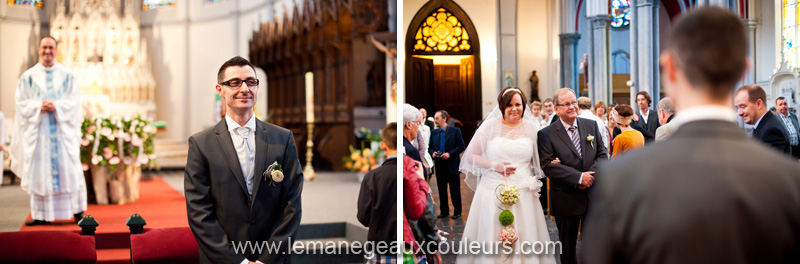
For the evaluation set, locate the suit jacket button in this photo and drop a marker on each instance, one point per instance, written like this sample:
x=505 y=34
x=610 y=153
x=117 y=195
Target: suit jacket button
x=253 y=221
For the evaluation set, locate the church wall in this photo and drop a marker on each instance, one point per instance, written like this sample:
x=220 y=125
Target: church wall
x=190 y=43
x=537 y=44
x=484 y=16
x=768 y=43
x=168 y=61
x=18 y=44
x=19 y=41
x=210 y=45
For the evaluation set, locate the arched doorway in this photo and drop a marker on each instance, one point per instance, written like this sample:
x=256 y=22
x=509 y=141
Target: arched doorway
x=443 y=64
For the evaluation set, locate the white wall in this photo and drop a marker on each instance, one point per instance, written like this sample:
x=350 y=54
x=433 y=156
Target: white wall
x=19 y=40
x=537 y=29
x=187 y=46
x=768 y=45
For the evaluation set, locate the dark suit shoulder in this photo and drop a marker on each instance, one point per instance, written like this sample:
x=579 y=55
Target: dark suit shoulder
x=587 y=122
x=271 y=128
x=208 y=132
x=387 y=171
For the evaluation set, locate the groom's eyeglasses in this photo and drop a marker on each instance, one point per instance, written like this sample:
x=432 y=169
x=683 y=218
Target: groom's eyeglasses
x=236 y=83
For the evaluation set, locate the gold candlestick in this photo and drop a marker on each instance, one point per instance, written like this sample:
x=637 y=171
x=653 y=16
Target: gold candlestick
x=308 y=171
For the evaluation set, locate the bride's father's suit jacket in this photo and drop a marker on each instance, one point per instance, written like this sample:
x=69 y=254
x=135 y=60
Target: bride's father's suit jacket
x=554 y=142
x=220 y=211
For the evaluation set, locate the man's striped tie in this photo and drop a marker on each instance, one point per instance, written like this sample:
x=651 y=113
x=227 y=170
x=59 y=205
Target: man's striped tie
x=575 y=140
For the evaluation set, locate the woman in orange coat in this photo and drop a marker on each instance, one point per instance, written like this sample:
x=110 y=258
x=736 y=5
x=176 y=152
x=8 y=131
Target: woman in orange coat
x=629 y=139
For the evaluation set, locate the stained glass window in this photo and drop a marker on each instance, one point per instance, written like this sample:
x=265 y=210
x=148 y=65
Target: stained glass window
x=32 y=3
x=620 y=10
x=156 y=4
x=441 y=31
x=790 y=14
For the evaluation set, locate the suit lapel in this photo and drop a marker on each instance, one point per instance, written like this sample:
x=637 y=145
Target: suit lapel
x=762 y=123
x=586 y=147
x=226 y=144
x=261 y=156
x=561 y=131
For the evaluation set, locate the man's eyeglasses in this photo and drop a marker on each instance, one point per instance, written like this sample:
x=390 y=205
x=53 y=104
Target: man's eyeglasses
x=236 y=83
x=568 y=104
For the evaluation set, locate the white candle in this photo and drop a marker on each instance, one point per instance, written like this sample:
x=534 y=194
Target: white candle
x=309 y=97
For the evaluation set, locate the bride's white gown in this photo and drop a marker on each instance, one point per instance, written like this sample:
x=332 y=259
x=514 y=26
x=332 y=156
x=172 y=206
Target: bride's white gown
x=483 y=223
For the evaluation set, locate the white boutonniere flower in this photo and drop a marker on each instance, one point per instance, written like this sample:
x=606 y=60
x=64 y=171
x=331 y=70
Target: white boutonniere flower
x=590 y=138
x=274 y=173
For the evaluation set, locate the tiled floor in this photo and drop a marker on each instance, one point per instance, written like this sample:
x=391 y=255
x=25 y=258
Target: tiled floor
x=456 y=226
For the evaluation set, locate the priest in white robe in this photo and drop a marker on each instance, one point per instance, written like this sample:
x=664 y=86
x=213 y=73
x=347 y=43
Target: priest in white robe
x=45 y=147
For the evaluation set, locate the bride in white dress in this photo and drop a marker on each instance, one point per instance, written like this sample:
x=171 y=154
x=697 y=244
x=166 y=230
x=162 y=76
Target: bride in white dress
x=505 y=144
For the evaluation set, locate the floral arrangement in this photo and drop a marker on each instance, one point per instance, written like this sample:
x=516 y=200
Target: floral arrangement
x=509 y=195
x=362 y=160
x=506 y=218
x=117 y=140
x=508 y=235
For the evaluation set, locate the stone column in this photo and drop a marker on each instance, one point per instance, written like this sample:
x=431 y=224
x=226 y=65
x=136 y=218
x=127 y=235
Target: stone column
x=751 y=22
x=599 y=58
x=569 y=62
x=751 y=25
x=644 y=64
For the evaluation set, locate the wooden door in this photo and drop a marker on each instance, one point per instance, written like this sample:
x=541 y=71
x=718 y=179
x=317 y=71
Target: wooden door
x=447 y=90
x=419 y=83
x=472 y=102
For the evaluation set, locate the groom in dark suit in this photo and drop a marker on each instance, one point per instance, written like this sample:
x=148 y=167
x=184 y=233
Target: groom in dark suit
x=574 y=142
x=233 y=193
x=741 y=203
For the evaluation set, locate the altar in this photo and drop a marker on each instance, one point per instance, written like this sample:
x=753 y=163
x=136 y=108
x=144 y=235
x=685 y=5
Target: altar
x=102 y=46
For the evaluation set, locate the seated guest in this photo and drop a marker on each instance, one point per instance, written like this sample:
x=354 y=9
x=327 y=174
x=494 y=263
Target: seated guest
x=629 y=139
x=750 y=100
x=377 y=200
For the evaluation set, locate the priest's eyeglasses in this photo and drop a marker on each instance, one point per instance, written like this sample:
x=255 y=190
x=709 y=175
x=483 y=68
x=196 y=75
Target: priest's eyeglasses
x=236 y=83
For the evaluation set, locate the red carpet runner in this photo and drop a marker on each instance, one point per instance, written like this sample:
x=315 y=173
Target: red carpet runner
x=159 y=204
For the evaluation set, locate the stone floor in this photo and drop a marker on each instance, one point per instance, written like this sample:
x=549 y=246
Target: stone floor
x=456 y=226
x=330 y=198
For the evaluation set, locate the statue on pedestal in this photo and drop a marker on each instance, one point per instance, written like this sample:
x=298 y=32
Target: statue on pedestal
x=534 y=87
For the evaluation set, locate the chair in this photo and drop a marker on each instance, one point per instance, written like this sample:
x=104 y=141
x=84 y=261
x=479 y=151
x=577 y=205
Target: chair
x=47 y=247
x=164 y=245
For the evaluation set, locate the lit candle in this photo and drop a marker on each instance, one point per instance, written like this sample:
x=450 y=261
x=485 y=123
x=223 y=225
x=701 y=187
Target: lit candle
x=309 y=97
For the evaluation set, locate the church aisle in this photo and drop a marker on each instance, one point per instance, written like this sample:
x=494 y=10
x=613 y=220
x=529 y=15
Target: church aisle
x=456 y=226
